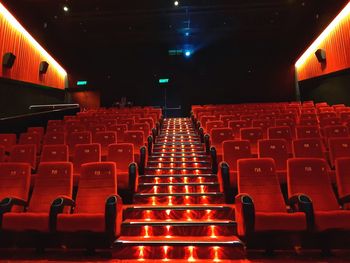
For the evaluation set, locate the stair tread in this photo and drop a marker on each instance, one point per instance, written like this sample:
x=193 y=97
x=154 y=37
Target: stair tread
x=177 y=194
x=181 y=207
x=178 y=184
x=157 y=222
x=178 y=175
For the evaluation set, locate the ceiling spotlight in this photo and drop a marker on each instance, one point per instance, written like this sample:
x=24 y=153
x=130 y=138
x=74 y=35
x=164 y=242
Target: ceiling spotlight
x=176 y=3
x=65 y=8
x=187 y=34
x=188 y=53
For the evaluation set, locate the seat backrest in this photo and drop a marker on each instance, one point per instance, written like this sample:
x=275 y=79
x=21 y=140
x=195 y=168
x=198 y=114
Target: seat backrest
x=97 y=182
x=252 y=134
x=336 y=131
x=305 y=132
x=342 y=169
x=2 y=154
x=308 y=122
x=214 y=124
x=86 y=153
x=128 y=121
x=204 y=119
x=277 y=149
x=38 y=130
x=330 y=122
x=136 y=138
x=227 y=118
x=122 y=154
x=235 y=150
x=105 y=138
x=258 y=178
x=54 y=179
x=144 y=127
x=286 y=122
x=108 y=123
x=24 y=154
x=308 y=148
x=54 y=123
x=75 y=128
x=78 y=138
x=281 y=132
x=30 y=138
x=8 y=140
x=309 y=176
x=264 y=124
x=14 y=180
x=338 y=148
x=120 y=129
x=236 y=126
x=148 y=120
x=219 y=135
x=59 y=128
x=55 y=153
x=54 y=138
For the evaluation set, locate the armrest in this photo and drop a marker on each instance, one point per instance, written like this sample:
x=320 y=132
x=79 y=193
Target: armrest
x=133 y=177
x=207 y=143
x=224 y=181
x=303 y=203
x=113 y=215
x=344 y=200
x=245 y=214
x=214 y=160
x=57 y=207
x=7 y=203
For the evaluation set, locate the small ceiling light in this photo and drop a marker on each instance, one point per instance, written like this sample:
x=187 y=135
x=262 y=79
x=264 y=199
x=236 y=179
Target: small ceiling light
x=176 y=3
x=188 y=53
x=65 y=8
x=187 y=34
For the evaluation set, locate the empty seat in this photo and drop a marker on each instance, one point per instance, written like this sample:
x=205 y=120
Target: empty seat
x=308 y=122
x=342 y=168
x=37 y=130
x=277 y=149
x=94 y=128
x=150 y=122
x=253 y=135
x=260 y=194
x=30 y=138
x=128 y=122
x=309 y=176
x=24 y=154
x=335 y=131
x=305 y=132
x=308 y=148
x=105 y=139
x=50 y=129
x=55 y=153
x=98 y=208
x=122 y=154
x=227 y=118
x=54 y=180
x=204 y=119
x=214 y=124
x=75 y=128
x=236 y=127
x=120 y=129
x=281 y=132
x=85 y=153
x=14 y=182
x=232 y=151
x=54 y=138
x=330 y=122
x=338 y=148
x=218 y=136
x=264 y=125
x=54 y=123
x=144 y=127
x=8 y=140
x=2 y=154
x=78 y=138
x=137 y=139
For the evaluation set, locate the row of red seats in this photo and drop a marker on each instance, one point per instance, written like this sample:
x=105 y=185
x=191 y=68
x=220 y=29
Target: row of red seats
x=312 y=206
x=95 y=214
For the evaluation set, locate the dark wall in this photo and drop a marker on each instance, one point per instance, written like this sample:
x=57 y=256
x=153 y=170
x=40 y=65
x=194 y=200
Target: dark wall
x=333 y=89
x=16 y=97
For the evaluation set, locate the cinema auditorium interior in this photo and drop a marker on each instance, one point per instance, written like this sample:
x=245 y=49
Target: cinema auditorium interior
x=175 y=131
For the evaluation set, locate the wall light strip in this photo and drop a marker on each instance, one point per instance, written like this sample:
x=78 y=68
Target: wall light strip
x=315 y=45
x=17 y=26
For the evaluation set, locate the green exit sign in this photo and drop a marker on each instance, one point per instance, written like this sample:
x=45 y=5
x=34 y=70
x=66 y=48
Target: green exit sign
x=163 y=81
x=82 y=83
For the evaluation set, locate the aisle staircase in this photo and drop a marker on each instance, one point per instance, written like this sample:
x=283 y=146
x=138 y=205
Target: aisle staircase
x=179 y=211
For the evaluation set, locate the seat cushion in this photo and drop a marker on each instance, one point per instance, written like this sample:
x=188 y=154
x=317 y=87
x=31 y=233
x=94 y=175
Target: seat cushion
x=81 y=222
x=278 y=221
x=335 y=219
x=26 y=221
x=122 y=179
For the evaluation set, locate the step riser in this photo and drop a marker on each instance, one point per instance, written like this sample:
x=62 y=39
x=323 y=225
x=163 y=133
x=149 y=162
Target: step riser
x=179 y=200
x=178 y=189
x=227 y=214
x=178 y=165
x=168 y=231
x=198 y=179
x=196 y=253
x=175 y=171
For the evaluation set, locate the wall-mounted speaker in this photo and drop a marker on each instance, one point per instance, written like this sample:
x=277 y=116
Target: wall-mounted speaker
x=321 y=55
x=8 y=60
x=43 y=67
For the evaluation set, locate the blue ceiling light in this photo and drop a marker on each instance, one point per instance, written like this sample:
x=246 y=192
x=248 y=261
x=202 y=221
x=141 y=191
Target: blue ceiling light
x=187 y=34
x=188 y=53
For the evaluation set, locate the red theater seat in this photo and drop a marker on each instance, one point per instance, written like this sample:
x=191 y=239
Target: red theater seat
x=338 y=148
x=281 y=132
x=78 y=138
x=150 y=122
x=309 y=176
x=53 y=180
x=342 y=168
x=260 y=207
x=214 y=124
x=120 y=129
x=98 y=208
x=55 y=153
x=253 y=135
x=236 y=127
x=50 y=129
x=105 y=139
x=218 y=136
x=30 y=138
x=308 y=148
x=54 y=138
x=128 y=122
x=137 y=139
x=24 y=154
x=306 y=132
x=144 y=127
x=2 y=154
x=277 y=149
x=37 y=130
x=264 y=125
x=8 y=140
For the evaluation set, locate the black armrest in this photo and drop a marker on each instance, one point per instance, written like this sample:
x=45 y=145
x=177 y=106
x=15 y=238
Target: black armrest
x=245 y=214
x=344 y=200
x=113 y=215
x=57 y=207
x=214 y=160
x=224 y=178
x=303 y=203
x=133 y=177
x=7 y=203
x=207 y=143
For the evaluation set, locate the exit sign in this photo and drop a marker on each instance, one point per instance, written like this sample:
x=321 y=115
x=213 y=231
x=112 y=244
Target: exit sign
x=82 y=82
x=163 y=81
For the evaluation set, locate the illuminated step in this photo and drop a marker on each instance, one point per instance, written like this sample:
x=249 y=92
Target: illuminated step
x=177 y=134
x=183 y=158
x=176 y=155
x=178 y=194
x=189 y=248
x=143 y=222
x=177 y=178
x=178 y=162
x=179 y=187
x=178 y=143
x=159 y=151
x=179 y=198
x=179 y=168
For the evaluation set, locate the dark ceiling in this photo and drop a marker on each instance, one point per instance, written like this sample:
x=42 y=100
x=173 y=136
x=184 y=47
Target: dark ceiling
x=100 y=40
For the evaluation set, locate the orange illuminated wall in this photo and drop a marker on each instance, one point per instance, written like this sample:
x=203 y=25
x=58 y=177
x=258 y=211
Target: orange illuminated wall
x=15 y=39
x=335 y=40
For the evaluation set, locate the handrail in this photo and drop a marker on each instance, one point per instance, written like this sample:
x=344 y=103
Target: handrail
x=53 y=106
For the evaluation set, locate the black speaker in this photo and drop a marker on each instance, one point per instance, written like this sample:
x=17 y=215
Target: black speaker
x=8 y=60
x=321 y=55
x=43 y=67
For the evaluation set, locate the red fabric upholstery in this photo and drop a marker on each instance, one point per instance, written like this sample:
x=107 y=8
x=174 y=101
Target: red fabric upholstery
x=280 y=221
x=264 y=125
x=128 y=121
x=204 y=119
x=24 y=154
x=150 y=122
x=219 y=135
x=81 y=222
x=144 y=127
x=335 y=121
x=16 y=221
x=281 y=132
x=2 y=154
x=136 y=138
x=51 y=123
x=342 y=168
x=105 y=139
x=30 y=138
x=235 y=150
x=236 y=127
x=94 y=128
x=336 y=131
x=54 y=138
x=253 y=135
x=227 y=118
x=213 y=124
x=335 y=219
x=311 y=147
x=309 y=176
x=276 y=149
x=55 y=153
x=50 y=129
x=120 y=129
x=37 y=130
x=338 y=148
x=307 y=132
x=86 y=153
x=8 y=140
x=75 y=128
x=75 y=138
